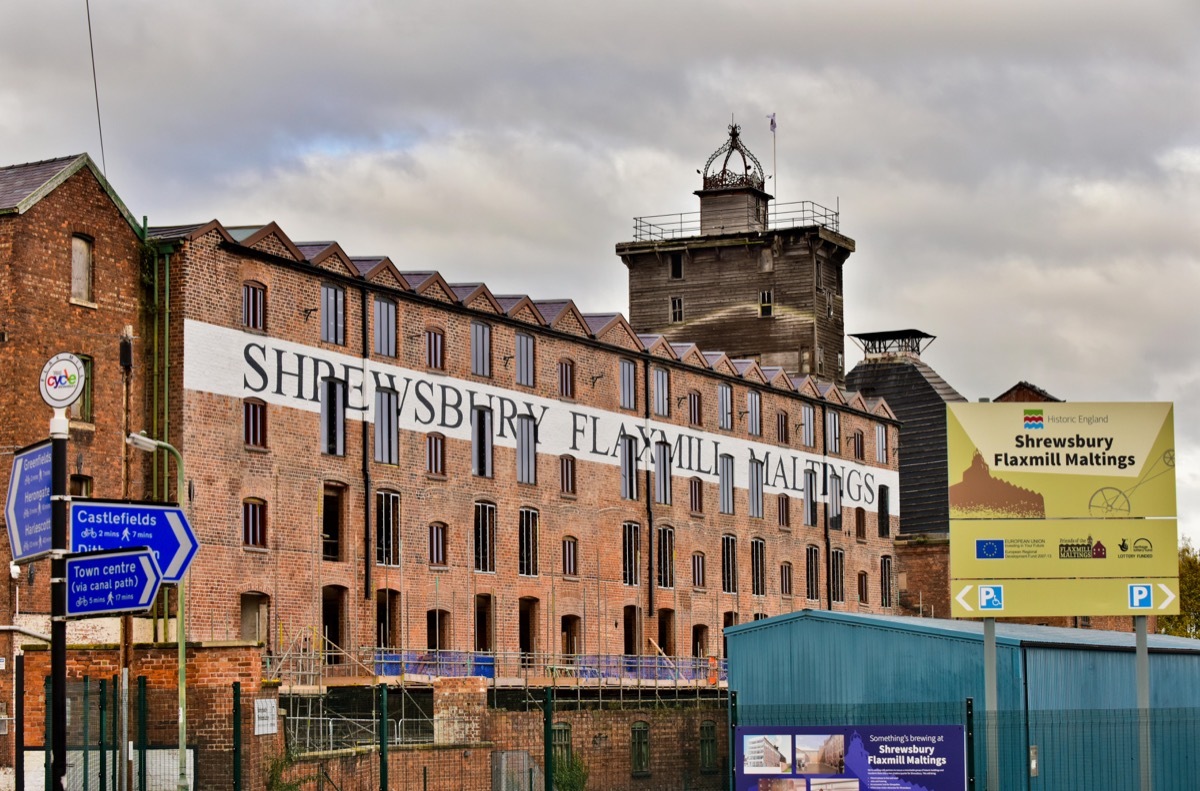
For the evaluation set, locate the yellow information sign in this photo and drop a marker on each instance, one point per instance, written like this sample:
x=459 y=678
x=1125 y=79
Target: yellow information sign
x=1061 y=460
x=1063 y=548
x=1007 y=598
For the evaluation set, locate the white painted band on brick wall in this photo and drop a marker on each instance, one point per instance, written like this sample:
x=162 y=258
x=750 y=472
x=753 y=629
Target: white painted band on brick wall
x=236 y=364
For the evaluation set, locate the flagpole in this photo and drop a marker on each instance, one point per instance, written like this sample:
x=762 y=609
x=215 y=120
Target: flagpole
x=774 y=170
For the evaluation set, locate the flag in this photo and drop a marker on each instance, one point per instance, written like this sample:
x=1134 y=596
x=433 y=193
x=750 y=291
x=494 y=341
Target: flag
x=989 y=549
x=772 y=117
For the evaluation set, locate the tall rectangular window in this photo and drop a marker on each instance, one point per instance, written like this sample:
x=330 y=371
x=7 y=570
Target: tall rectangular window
x=885 y=515
x=695 y=416
x=758 y=567
x=782 y=435
x=708 y=746
x=385 y=327
x=525 y=359
x=666 y=557
x=860 y=523
x=435 y=349
x=729 y=564
x=808 y=425
x=387 y=430
x=725 y=482
x=785 y=579
x=881 y=444
x=766 y=303
x=570 y=549
x=698 y=570
x=566 y=379
x=435 y=454
x=437 y=544
x=485 y=536
x=629 y=471
x=837 y=575
x=82 y=410
x=628 y=384
x=526 y=449
x=639 y=748
x=833 y=431
x=566 y=474
x=662 y=473
x=784 y=508
x=254 y=423
x=725 y=406
x=387 y=528
x=754 y=413
x=857 y=445
x=631 y=536
x=254 y=523
x=527 y=543
x=810 y=498
x=677 y=266
x=885 y=581
x=696 y=495
x=676 y=310
x=863 y=584
x=662 y=392
x=333 y=417
x=481 y=349
x=81 y=268
x=812 y=574
x=333 y=314
x=834 y=502
x=254 y=306
x=332 y=516
x=756 y=488
x=481 y=442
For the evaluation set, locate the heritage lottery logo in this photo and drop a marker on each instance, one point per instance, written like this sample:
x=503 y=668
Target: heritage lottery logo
x=989 y=549
x=1033 y=419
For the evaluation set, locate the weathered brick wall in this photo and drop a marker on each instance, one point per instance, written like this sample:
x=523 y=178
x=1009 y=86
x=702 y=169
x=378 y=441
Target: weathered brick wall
x=39 y=320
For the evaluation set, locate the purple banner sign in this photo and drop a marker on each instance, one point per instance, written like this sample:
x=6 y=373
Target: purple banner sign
x=850 y=758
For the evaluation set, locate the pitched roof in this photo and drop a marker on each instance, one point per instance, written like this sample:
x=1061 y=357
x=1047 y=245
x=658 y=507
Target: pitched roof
x=22 y=186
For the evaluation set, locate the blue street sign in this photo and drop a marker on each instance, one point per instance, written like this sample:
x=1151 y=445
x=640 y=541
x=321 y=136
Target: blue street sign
x=164 y=529
x=105 y=583
x=27 y=507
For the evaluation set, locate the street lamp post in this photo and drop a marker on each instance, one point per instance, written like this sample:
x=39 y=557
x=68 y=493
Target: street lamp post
x=144 y=443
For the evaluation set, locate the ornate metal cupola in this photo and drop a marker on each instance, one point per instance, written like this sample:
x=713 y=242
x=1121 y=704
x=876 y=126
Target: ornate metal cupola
x=733 y=199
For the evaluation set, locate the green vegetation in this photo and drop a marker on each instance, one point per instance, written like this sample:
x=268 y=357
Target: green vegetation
x=1187 y=623
x=570 y=773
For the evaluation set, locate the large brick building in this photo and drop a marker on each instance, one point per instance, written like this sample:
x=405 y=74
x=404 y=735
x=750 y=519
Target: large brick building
x=381 y=460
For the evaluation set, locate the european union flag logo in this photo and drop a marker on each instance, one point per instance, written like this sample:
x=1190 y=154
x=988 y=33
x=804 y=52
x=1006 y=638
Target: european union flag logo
x=989 y=549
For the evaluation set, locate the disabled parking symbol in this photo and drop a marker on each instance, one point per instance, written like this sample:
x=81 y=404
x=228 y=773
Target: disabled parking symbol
x=991 y=597
x=1141 y=597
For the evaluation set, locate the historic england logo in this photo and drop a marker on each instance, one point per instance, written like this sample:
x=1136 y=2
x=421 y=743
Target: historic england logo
x=1033 y=419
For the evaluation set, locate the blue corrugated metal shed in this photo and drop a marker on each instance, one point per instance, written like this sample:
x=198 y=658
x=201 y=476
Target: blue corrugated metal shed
x=1069 y=691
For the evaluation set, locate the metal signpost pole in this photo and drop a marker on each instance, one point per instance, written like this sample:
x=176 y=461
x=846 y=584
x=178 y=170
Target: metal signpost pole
x=59 y=431
x=142 y=442
x=1142 y=668
x=990 y=704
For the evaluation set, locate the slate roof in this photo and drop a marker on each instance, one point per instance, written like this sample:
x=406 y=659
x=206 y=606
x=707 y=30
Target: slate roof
x=18 y=183
x=917 y=396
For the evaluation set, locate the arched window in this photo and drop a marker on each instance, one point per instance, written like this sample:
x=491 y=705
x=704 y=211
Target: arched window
x=566 y=378
x=254 y=422
x=254 y=523
x=435 y=349
x=437 y=544
x=570 y=551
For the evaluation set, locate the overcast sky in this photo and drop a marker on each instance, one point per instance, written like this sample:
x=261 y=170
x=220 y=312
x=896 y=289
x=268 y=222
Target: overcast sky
x=1022 y=178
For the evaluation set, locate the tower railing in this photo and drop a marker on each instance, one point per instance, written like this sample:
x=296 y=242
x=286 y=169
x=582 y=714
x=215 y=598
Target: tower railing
x=801 y=214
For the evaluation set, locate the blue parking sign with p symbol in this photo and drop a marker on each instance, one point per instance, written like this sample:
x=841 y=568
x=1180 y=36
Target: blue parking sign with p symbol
x=991 y=597
x=1141 y=597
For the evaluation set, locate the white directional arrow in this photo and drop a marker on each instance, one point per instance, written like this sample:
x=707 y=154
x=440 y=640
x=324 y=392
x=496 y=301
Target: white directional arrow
x=10 y=508
x=959 y=598
x=1170 y=596
x=152 y=578
x=182 y=534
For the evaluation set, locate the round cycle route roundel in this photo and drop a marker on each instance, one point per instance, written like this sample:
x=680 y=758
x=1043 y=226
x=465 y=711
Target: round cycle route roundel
x=63 y=378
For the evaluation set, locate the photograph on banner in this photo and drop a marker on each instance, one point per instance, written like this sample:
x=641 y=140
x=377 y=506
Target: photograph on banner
x=844 y=757
x=1063 y=548
x=1060 y=460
